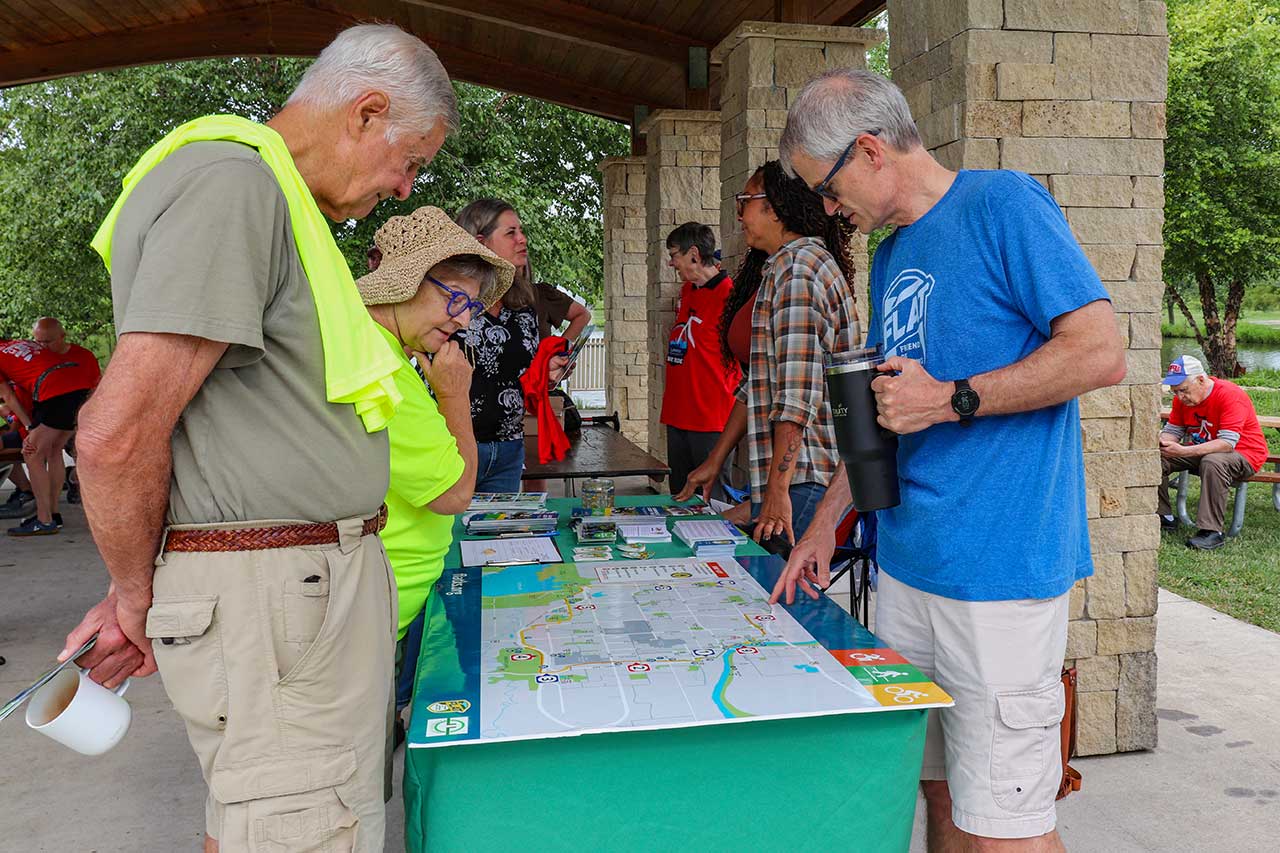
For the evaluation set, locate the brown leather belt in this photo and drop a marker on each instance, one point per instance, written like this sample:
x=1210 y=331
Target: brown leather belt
x=265 y=538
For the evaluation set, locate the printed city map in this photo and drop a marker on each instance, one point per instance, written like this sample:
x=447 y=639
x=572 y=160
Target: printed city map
x=538 y=651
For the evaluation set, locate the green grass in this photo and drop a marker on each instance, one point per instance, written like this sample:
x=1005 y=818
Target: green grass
x=1246 y=333
x=1261 y=377
x=1242 y=578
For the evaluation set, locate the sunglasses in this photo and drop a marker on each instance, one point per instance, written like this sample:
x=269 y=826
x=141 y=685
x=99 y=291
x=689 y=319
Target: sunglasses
x=741 y=199
x=823 y=189
x=459 y=300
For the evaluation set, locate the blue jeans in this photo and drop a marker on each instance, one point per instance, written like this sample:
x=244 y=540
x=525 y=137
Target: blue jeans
x=500 y=465
x=804 y=503
x=407 y=661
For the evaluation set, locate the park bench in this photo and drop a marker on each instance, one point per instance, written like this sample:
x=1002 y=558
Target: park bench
x=1238 y=502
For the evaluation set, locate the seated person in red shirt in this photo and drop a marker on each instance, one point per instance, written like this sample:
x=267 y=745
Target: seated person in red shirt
x=13 y=430
x=1213 y=432
x=58 y=383
x=700 y=388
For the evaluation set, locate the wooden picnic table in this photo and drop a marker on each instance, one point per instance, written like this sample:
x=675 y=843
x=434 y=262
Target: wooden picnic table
x=1264 y=421
x=596 y=451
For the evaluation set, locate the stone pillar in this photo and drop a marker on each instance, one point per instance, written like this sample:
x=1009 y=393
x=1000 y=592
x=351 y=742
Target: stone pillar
x=626 y=334
x=1073 y=94
x=683 y=178
x=764 y=67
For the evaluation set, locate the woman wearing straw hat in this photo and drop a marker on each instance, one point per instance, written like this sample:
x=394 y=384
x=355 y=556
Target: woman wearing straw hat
x=430 y=279
x=504 y=340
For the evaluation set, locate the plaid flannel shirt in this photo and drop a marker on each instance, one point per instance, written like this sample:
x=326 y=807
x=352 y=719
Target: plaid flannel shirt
x=804 y=310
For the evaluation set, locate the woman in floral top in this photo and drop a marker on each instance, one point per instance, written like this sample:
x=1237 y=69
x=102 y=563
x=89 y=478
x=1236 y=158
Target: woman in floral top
x=501 y=343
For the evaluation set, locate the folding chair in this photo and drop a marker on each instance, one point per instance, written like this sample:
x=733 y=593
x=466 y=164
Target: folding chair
x=856 y=558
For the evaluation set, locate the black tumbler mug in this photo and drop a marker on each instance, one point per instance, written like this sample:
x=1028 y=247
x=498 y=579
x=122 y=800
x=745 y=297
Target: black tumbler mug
x=869 y=451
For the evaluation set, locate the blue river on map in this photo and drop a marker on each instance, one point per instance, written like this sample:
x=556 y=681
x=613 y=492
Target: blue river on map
x=518 y=580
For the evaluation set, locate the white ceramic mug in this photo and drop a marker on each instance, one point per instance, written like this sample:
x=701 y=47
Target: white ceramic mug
x=78 y=712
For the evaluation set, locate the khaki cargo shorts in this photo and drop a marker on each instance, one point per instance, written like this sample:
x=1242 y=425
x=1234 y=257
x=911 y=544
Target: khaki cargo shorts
x=280 y=664
x=999 y=748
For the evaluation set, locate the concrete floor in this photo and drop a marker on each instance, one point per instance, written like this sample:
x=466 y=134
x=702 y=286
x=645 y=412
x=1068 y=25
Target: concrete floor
x=1213 y=784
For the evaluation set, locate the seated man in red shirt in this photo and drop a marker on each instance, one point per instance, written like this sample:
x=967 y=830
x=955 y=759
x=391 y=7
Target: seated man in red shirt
x=1213 y=432
x=13 y=429
x=58 y=379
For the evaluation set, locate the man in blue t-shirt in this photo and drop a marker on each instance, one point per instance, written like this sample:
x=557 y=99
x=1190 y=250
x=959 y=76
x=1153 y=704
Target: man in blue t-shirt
x=992 y=322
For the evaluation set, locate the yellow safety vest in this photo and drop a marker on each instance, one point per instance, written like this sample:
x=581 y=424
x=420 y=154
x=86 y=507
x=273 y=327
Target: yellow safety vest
x=358 y=369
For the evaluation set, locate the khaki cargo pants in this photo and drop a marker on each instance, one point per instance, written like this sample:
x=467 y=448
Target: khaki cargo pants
x=280 y=664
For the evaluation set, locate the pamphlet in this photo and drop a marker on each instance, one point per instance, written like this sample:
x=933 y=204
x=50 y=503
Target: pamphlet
x=509 y=552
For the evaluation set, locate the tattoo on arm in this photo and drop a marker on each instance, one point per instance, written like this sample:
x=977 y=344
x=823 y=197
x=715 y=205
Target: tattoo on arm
x=789 y=456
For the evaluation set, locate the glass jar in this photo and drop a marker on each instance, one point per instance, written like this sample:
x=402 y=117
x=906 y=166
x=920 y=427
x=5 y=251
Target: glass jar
x=597 y=493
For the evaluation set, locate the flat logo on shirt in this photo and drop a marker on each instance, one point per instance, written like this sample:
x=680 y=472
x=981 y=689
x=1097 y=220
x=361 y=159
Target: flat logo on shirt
x=906 y=304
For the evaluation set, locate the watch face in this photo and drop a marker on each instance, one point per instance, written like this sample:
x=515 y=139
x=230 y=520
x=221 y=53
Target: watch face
x=964 y=402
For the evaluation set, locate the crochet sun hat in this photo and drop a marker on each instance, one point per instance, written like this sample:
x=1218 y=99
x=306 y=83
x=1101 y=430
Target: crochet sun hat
x=411 y=245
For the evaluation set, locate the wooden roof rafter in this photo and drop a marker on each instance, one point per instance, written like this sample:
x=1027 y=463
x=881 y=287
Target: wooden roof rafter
x=485 y=70
x=607 y=57
x=561 y=19
x=284 y=28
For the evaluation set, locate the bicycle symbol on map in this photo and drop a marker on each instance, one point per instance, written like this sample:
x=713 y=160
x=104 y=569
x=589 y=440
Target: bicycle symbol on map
x=903 y=695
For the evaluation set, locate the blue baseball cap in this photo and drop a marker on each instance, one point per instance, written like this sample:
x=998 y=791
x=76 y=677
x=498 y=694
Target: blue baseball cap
x=1181 y=369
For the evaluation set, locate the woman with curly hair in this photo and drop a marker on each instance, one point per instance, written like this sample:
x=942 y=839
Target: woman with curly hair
x=791 y=305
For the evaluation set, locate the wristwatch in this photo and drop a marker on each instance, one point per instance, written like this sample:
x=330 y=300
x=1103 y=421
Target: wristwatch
x=965 y=401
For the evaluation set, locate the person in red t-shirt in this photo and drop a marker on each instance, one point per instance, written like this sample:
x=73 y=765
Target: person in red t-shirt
x=699 y=391
x=58 y=376
x=1213 y=432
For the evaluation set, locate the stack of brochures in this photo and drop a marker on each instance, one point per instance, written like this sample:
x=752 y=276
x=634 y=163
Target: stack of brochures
x=672 y=511
x=483 y=501
x=617 y=515
x=510 y=521
x=652 y=531
x=594 y=531
x=710 y=538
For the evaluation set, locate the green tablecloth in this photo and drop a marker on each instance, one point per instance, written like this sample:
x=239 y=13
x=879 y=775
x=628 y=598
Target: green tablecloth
x=843 y=781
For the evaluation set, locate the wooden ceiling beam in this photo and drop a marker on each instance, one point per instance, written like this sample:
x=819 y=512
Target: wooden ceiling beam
x=485 y=70
x=281 y=29
x=577 y=23
x=294 y=29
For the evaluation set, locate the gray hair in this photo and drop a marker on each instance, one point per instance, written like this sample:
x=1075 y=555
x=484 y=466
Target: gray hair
x=834 y=108
x=385 y=58
x=469 y=266
x=691 y=234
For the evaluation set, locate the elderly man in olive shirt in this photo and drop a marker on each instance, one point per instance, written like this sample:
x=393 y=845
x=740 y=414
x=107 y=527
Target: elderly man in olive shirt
x=214 y=442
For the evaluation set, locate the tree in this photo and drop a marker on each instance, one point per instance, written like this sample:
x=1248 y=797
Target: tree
x=66 y=144
x=1222 y=162
x=539 y=157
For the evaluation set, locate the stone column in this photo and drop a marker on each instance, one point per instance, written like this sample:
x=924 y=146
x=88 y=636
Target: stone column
x=764 y=67
x=626 y=335
x=1073 y=94
x=683 y=185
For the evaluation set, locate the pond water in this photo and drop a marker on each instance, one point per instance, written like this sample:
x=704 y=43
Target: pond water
x=1252 y=356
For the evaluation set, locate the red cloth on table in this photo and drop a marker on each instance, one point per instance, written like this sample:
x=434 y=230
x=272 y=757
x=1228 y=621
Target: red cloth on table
x=536 y=381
